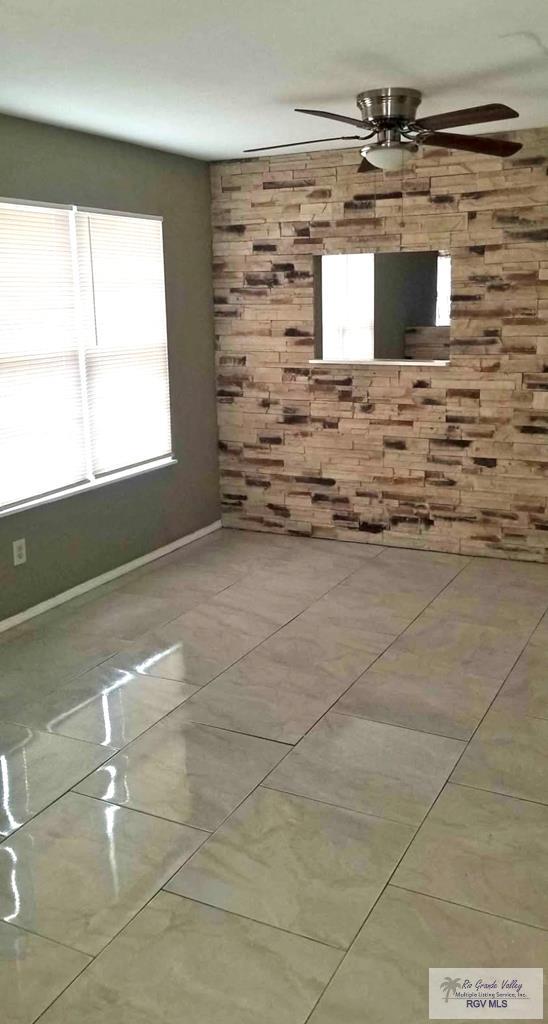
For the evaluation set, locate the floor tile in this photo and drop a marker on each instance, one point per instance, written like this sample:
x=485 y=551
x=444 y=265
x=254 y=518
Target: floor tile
x=118 y=613
x=229 y=550
x=252 y=596
x=301 y=865
x=36 y=768
x=485 y=851
x=320 y=654
x=167 y=586
x=505 y=608
x=423 y=558
x=80 y=870
x=181 y=659
x=50 y=619
x=107 y=705
x=369 y=766
x=186 y=772
x=503 y=573
x=417 y=572
x=52 y=653
x=184 y=577
x=198 y=645
x=508 y=754
x=403 y=589
x=19 y=688
x=214 y=618
x=194 y=650
x=344 y=548
x=329 y=560
x=377 y=662
x=386 y=971
x=483 y=650
x=525 y=691
x=403 y=688
x=179 y=961
x=33 y=972
x=264 y=698
x=540 y=636
x=300 y=578
x=340 y=625
x=380 y=612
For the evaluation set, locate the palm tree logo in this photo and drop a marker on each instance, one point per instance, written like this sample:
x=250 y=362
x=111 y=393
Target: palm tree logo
x=449 y=986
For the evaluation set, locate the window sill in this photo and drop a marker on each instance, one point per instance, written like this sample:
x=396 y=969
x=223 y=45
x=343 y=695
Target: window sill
x=380 y=362
x=94 y=485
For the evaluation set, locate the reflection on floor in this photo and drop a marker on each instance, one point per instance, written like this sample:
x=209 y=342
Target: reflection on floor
x=270 y=780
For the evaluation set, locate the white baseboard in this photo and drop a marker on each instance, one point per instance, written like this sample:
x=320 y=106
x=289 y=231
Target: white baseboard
x=105 y=577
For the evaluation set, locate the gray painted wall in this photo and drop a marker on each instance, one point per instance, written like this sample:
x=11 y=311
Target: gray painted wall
x=405 y=296
x=79 y=537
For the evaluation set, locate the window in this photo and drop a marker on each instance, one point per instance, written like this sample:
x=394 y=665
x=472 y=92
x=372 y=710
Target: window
x=443 y=299
x=84 y=386
x=383 y=306
x=348 y=306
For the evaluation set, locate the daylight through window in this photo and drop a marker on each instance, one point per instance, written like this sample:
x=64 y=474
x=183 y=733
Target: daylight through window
x=386 y=305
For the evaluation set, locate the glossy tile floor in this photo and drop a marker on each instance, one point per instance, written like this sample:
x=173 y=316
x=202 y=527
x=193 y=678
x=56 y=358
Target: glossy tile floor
x=271 y=780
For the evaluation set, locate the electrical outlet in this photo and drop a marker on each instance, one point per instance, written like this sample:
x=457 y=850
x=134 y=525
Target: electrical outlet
x=19 y=551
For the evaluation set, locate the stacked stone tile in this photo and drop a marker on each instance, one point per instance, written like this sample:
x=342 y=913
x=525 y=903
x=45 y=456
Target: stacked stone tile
x=449 y=458
x=426 y=343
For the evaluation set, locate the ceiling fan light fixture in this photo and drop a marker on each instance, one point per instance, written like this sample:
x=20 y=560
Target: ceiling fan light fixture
x=389 y=156
x=390 y=115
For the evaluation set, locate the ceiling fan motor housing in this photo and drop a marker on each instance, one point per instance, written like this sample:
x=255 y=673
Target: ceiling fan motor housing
x=391 y=104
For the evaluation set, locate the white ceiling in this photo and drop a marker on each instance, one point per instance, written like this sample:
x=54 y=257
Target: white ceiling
x=210 y=78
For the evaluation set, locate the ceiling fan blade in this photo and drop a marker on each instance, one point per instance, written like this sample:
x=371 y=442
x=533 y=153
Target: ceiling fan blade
x=307 y=142
x=469 y=115
x=334 y=117
x=471 y=143
x=366 y=166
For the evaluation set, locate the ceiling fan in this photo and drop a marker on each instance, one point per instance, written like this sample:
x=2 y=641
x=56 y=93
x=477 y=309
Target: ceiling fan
x=390 y=115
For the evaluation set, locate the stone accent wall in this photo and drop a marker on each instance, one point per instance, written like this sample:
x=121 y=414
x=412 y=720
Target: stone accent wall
x=427 y=343
x=447 y=458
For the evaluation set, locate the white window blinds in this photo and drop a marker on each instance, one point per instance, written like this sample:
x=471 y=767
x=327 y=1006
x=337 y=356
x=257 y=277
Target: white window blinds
x=84 y=386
